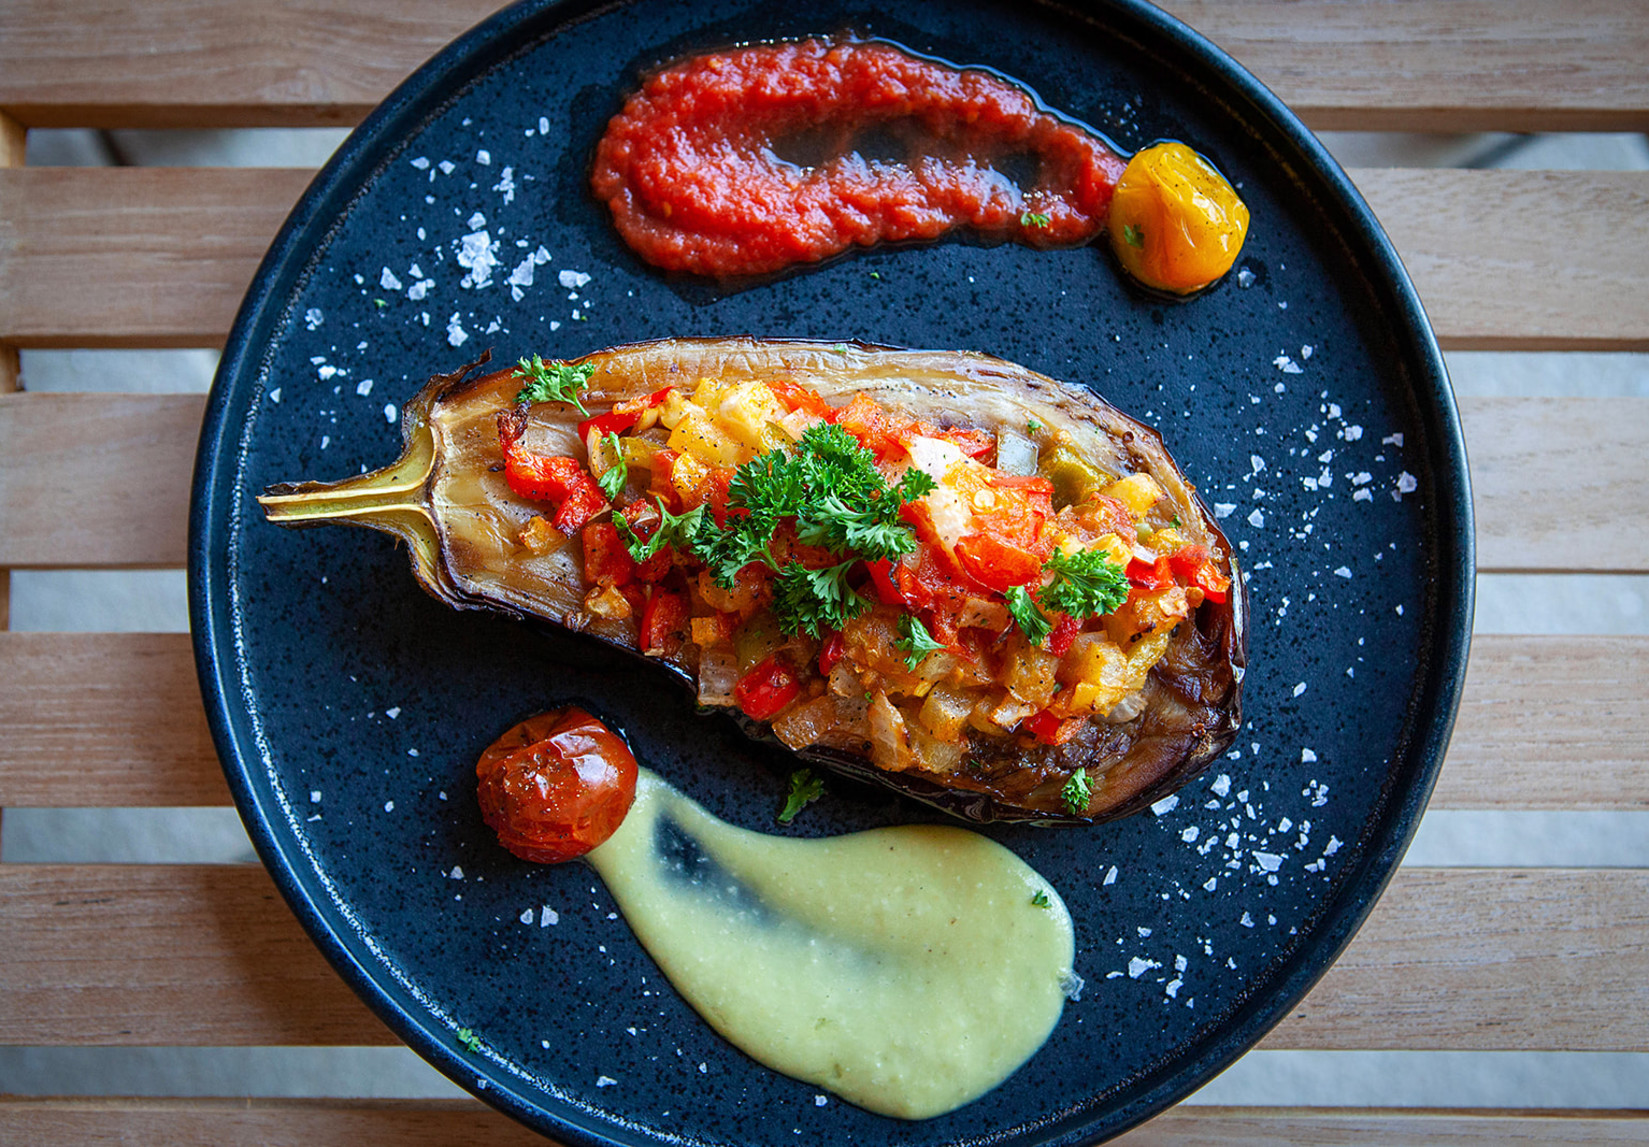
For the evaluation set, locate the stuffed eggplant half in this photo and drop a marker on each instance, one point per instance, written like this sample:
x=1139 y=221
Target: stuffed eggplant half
x=938 y=571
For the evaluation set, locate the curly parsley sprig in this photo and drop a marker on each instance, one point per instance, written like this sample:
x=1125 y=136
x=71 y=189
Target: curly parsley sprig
x=915 y=640
x=553 y=381
x=1087 y=583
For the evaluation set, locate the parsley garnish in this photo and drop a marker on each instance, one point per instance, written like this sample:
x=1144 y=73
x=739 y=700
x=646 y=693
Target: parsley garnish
x=1076 y=792
x=612 y=481
x=1132 y=235
x=469 y=1040
x=553 y=381
x=380 y=303
x=840 y=502
x=673 y=530
x=1087 y=583
x=805 y=788
x=1032 y=426
x=915 y=640
x=1032 y=620
x=1176 y=521
x=1034 y=219
x=816 y=600
x=1041 y=899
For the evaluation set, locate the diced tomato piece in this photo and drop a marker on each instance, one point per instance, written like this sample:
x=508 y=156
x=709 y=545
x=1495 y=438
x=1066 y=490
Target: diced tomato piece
x=716 y=495
x=882 y=573
x=662 y=619
x=1032 y=487
x=764 y=692
x=831 y=652
x=1193 y=565
x=607 y=559
x=583 y=502
x=1049 y=729
x=1063 y=634
x=553 y=478
x=865 y=419
x=615 y=422
x=792 y=395
x=976 y=444
x=1145 y=575
x=661 y=483
x=994 y=563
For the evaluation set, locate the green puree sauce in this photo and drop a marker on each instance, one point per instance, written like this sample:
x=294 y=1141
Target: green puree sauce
x=909 y=970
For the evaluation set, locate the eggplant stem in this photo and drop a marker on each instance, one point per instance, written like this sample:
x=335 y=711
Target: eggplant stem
x=393 y=491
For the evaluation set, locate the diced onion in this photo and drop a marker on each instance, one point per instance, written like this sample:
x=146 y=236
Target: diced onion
x=718 y=672
x=803 y=725
x=1015 y=453
x=889 y=744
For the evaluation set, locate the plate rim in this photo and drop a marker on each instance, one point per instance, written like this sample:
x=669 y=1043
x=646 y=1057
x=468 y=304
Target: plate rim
x=1435 y=695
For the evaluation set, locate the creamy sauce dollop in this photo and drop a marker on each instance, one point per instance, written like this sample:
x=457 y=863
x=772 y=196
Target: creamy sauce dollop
x=908 y=969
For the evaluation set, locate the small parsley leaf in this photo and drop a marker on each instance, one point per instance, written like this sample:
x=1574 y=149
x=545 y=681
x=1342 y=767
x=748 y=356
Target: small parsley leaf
x=1034 y=219
x=1040 y=899
x=553 y=381
x=612 y=481
x=1133 y=235
x=469 y=1040
x=1076 y=792
x=1087 y=583
x=815 y=600
x=915 y=640
x=805 y=788
x=678 y=530
x=1032 y=620
x=1032 y=426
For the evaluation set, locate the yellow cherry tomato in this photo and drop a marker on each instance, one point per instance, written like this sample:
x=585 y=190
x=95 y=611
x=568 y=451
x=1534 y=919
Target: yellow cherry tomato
x=1175 y=223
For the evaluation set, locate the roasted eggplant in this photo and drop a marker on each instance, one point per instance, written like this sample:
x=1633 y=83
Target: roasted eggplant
x=934 y=570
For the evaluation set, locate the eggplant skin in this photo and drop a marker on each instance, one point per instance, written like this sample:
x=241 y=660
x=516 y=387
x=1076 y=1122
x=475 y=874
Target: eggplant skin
x=447 y=497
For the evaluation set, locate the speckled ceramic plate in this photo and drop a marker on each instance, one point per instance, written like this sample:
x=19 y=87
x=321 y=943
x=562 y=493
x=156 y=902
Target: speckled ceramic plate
x=1305 y=395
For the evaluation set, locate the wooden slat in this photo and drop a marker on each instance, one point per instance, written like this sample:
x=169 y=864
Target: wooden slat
x=96 y=479
x=1452 y=959
x=1556 y=480
x=1525 y=260
x=461 y=1123
x=162 y=256
x=1426 y=65
x=1546 y=723
x=123 y=707
x=1544 y=474
x=133 y=256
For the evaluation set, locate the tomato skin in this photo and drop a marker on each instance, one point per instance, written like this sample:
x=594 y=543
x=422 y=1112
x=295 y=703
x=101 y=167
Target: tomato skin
x=556 y=785
x=607 y=559
x=662 y=618
x=794 y=396
x=764 y=691
x=1193 y=565
x=1049 y=729
x=992 y=562
x=1159 y=575
x=1063 y=635
x=831 y=652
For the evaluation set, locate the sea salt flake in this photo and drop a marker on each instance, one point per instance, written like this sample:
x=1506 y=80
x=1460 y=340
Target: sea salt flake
x=478 y=254
x=1392 y=440
x=389 y=806
x=1268 y=861
x=313 y=318
x=1333 y=846
x=1211 y=883
x=314 y=796
x=548 y=916
x=1111 y=876
x=1190 y=834
x=1307 y=756
x=1245 y=278
x=421 y=163
x=1353 y=432
x=456 y=334
x=1171 y=989
x=484 y=157
x=1221 y=785
x=1299 y=689
x=447 y=167
x=506 y=184
x=1343 y=571
x=1257 y=518
x=390 y=413
x=607 y=1081
x=1406 y=484
x=388 y=281
x=1224 y=509
x=573 y=280
x=1138 y=966
x=1166 y=805
x=1247 y=921
x=364 y=387
x=526 y=917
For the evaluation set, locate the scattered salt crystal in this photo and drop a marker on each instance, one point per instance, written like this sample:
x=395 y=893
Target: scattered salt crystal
x=1143 y=931
x=526 y=917
x=476 y=221
x=1245 y=278
x=1172 y=987
x=1333 y=846
x=390 y=412
x=388 y=281
x=483 y=157
x=1307 y=351
x=1221 y=785
x=1343 y=571
x=275 y=396
x=1190 y=834
x=457 y=873
x=1287 y=365
x=1268 y=861
x=609 y=1081
x=1211 y=883
x=1362 y=495
x=1166 y=805
x=573 y=280
x=819 y=1101
x=364 y=387
x=447 y=166
x=1111 y=876
x=314 y=796
x=543 y=126
x=389 y=806
x=478 y=254
x=1392 y=440
x=1300 y=688
x=506 y=184
x=1307 y=756
x=1406 y=484
x=1256 y=463
x=1353 y=432
x=1223 y=509
x=1247 y=921
x=1138 y=966
x=548 y=916
x=421 y=163
x=456 y=334
x=393 y=713
x=1257 y=518
x=313 y=318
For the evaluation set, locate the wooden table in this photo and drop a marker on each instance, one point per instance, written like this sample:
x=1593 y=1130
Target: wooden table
x=1452 y=959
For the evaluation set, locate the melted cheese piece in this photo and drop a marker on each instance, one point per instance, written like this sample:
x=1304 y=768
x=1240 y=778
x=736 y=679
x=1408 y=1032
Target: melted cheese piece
x=906 y=969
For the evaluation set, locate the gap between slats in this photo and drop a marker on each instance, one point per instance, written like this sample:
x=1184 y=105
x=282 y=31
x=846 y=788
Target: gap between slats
x=1557 y=481
x=161 y=256
x=1546 y=723
x=1450 y=959
x=411 y=1123
x=1509 y=65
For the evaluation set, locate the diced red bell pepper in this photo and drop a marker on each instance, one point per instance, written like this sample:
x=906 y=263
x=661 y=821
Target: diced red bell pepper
x=792 y=395
x=764 y=692
x=831 y=652
x=1148 y=575
x=552 y=478
x=661 y=481
x=614 y=422
x=644 y=523
x=995 y=563
x=1049 y=729
x=662 y=618
x=607 y=559
x=1193 y=565
x=882 y=573
x=1063 y=634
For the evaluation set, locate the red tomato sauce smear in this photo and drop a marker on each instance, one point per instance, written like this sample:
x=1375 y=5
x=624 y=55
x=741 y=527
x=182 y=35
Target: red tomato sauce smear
x=750 y=160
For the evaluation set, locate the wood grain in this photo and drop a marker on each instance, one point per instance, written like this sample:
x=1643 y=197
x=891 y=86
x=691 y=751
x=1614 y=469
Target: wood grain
x=1546 y=723
x=1556 y=480
x=1451 y=959
x=162 y=256
x=96 y=479
x=461 y=1123
x=1423 y=65
x=1544 y=471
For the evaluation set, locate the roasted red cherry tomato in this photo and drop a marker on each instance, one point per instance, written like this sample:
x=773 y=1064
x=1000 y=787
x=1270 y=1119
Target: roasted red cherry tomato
x=556 y=785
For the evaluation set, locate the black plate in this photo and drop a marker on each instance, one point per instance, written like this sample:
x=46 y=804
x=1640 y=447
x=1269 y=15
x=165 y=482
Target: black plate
x=1305 y=392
